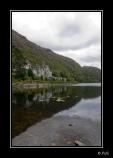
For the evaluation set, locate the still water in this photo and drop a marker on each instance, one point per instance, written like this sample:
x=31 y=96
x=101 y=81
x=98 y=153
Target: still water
x=31 y=106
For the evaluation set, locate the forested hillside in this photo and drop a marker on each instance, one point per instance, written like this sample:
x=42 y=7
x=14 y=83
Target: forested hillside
x=25 y=52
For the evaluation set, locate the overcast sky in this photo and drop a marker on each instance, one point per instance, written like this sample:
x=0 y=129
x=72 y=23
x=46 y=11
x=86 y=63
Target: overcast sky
x=73 y=34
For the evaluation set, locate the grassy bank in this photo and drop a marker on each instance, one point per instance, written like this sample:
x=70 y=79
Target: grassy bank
x=17 y=82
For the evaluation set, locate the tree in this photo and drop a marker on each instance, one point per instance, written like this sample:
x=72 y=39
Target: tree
x=56 y=73
x=18 y=63
x=30 y=73
x=20 y=73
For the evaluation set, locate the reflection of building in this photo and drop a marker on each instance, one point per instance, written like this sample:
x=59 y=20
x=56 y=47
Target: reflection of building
x=58 y=90
x=28 y=103
x=43 y=97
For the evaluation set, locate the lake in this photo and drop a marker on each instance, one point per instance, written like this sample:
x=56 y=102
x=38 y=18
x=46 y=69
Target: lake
x=61 y=115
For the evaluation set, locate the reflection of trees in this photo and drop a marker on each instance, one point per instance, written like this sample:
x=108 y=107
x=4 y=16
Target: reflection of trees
x=41 y=105
x=20 y=98
x=88 y=92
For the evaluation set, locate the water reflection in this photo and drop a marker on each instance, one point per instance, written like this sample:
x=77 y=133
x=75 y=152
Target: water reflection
x=86 y=108
x=31 y=106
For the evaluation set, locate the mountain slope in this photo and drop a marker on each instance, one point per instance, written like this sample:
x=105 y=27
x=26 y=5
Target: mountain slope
x=91 y=74
x=25 y=51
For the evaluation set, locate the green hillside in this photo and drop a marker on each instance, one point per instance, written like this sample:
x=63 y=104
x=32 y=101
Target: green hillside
x=24 y=51
x=91 y=74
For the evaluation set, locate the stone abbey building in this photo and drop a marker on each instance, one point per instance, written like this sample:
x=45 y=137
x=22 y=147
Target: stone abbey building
x=40 y=70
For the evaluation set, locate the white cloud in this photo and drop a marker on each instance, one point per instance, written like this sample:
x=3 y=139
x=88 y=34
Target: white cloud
x=73 y=34
x=87 y=56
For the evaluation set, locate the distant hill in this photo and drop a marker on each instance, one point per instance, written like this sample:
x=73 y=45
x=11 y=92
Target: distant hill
x=91 y=74
x=24 y=52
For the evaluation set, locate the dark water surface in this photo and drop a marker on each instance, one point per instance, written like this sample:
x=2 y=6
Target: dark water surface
x=34 y=105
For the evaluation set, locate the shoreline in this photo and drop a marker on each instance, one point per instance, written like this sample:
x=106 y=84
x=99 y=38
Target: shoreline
x=34 y=85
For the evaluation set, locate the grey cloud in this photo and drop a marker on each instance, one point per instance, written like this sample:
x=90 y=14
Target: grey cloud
x=69 y=30
x=91 y=58
x=66 y=32
x=93 y=41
